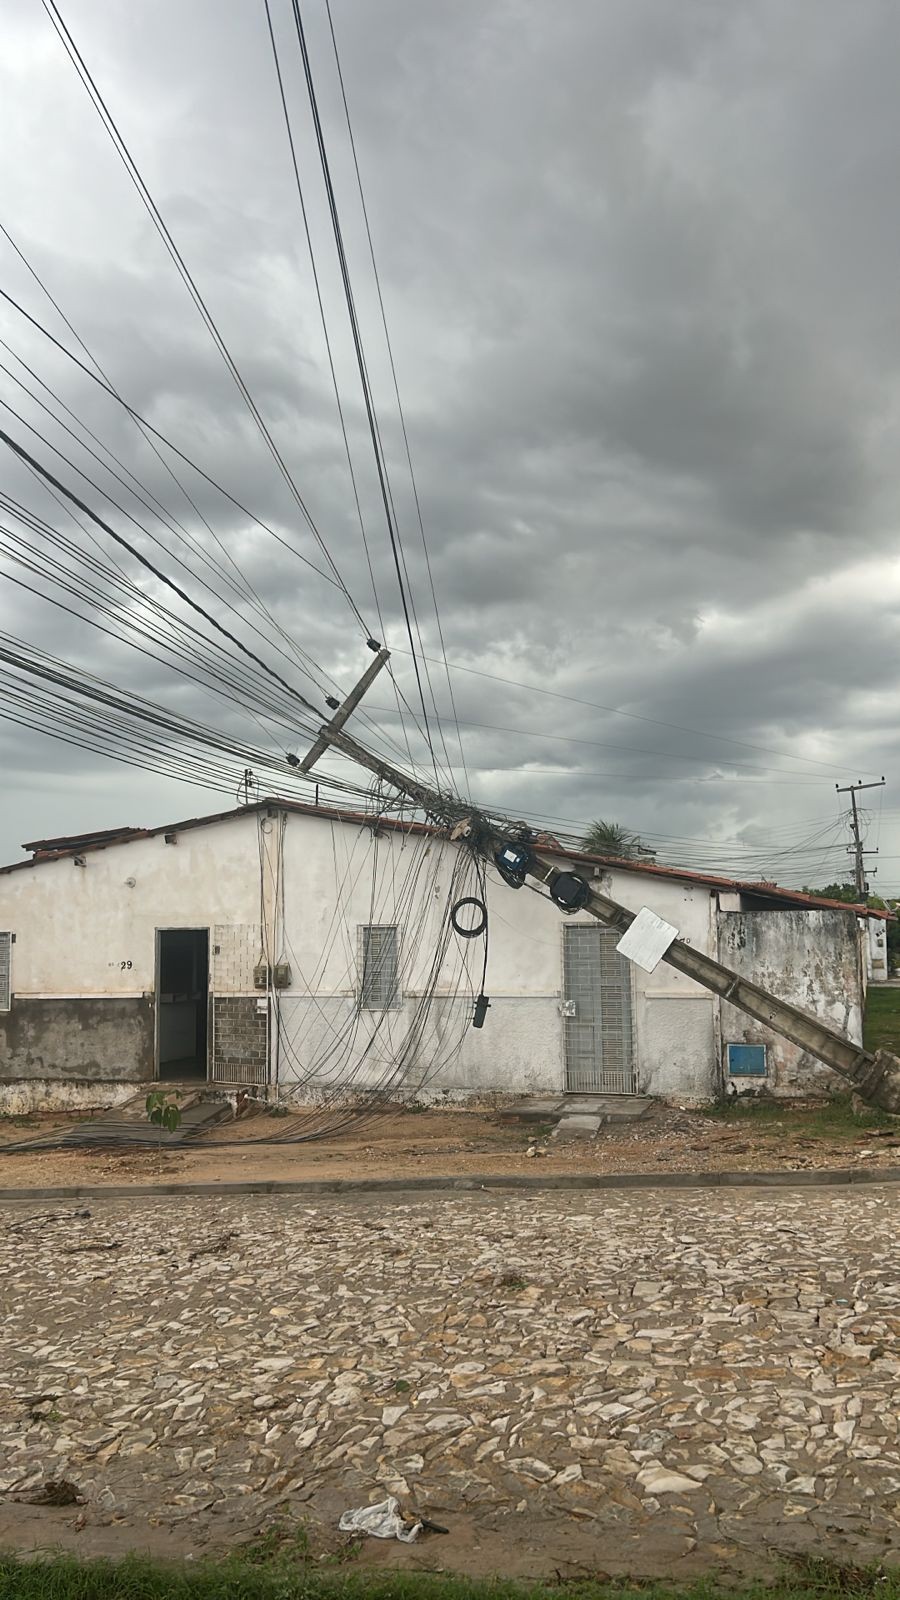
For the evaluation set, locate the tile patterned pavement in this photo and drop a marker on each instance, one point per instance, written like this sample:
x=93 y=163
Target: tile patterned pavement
x=658 y=1378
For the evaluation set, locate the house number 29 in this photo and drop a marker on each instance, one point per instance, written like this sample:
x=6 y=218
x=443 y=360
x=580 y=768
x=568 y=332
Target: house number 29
x=124 y=966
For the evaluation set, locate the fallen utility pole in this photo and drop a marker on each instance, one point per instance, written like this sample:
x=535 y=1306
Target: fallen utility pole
x=876 y=1078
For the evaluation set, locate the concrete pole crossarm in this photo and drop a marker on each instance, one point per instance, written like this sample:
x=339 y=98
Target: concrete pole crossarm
x=326 y=735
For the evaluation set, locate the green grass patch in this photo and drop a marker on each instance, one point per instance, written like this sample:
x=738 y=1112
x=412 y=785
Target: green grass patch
x=281 y=1544
x=835 y=1119
x=882 y=1025
x=272 y=1577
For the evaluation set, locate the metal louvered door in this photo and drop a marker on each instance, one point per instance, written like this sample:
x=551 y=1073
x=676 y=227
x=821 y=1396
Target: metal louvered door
x=597 y=1009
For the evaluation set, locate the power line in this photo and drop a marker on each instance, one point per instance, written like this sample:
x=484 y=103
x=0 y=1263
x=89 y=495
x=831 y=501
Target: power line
x=77 y=706
x=368 y=400
x=140 y=496
x=24 y=455
x=596 y=705
x=174 y=635
x=156 y=508
x=168 y=630
x=146 y=434
x=597 y=744
x=331 y=366
x=162 y=229
x=169 y=443
x=400 y=412
x=180 y=454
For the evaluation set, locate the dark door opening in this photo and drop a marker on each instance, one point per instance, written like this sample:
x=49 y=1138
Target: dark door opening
x=182 y=1002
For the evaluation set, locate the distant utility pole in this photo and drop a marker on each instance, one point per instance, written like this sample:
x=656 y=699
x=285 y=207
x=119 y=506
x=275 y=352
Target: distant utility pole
x=856 y=848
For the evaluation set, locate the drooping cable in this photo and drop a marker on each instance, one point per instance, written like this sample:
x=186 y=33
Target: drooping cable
x=25 y=455
x=396 y=385
x=147 y=434
x=162 y=229
x=180 y=454
x=330 y=355
x=380 y=464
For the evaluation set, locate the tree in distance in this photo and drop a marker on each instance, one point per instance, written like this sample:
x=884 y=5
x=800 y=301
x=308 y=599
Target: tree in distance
x=613 y=840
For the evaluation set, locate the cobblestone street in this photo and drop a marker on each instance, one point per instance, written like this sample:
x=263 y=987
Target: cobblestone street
x=653 y=1382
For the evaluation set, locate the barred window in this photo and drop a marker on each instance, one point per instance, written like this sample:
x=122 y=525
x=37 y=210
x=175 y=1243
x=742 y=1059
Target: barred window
x=379 y=988
x=5 y=970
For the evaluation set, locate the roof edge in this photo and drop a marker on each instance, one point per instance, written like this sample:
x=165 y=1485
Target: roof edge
x=105 y=839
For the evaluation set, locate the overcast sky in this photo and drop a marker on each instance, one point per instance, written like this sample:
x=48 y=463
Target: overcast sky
x=639 y=262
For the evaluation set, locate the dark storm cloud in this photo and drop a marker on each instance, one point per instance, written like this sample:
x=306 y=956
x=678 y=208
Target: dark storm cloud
x=640 y=276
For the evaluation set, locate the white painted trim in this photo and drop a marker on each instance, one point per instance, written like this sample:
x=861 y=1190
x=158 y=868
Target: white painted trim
x=103 y=994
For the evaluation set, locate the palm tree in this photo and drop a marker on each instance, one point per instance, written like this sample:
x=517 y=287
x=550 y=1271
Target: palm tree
x=618 y=843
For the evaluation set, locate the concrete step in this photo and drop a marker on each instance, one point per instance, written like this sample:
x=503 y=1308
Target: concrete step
x=183 y=1095
x=611 y=1107
x=534 y=1109
x=577 y=1125
x=608 y=1107
x=129 y=1124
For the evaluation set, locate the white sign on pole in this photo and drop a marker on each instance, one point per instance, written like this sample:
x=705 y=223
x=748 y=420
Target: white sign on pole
x=647 y=940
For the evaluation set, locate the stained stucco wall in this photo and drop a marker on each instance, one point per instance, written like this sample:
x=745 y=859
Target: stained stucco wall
x=85 y=938
x=83 y=962
x=810 y=958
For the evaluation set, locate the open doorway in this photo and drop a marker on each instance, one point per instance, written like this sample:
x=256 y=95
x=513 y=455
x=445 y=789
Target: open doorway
x=182 y=1002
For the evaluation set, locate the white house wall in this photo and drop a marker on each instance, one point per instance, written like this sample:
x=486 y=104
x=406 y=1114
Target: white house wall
x=676 y=1019
x=520 y=1049
x=89 y=930
x=83 y=980
x=84 y=958
x=338 y=879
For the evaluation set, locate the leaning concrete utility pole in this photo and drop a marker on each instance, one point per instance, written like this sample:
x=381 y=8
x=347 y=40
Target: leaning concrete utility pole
x=876 y=1078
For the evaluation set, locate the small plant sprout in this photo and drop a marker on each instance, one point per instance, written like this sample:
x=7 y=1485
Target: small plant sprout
x=164 y=1112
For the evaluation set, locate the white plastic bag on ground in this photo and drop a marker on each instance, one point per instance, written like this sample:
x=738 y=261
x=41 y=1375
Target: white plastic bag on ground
x=382 y=1522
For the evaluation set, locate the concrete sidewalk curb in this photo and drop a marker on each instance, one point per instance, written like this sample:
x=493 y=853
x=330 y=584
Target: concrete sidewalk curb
x=837 y=1178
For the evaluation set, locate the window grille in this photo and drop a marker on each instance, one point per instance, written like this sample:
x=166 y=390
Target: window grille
x=6 y=940
x=379 y=988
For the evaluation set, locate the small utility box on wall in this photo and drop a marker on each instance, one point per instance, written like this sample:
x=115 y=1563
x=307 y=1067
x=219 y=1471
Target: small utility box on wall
x=281 y=975
x=746 y=1061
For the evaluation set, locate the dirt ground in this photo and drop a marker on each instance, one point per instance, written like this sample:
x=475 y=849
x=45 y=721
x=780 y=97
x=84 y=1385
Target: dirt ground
x=459 y=1143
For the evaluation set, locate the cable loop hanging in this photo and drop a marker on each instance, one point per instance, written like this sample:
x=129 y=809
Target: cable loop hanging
x=459 y=927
